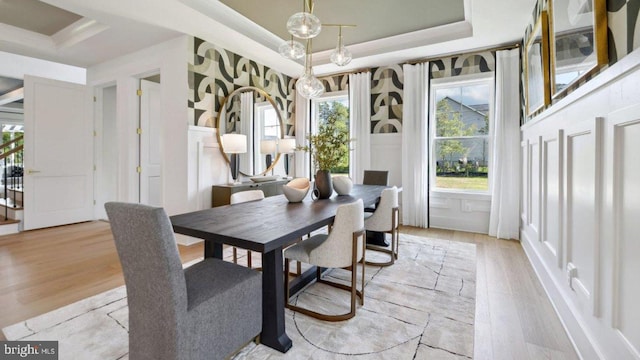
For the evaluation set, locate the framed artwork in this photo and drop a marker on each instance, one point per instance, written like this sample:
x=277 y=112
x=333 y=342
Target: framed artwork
x=578 y=41
x=537 y=89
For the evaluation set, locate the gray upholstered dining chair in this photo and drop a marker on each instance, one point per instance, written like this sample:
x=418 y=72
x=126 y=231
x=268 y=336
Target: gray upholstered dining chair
x=343 y=247
x=242 y=197
x=375 y=177
x=207 y=311
x=386 y=220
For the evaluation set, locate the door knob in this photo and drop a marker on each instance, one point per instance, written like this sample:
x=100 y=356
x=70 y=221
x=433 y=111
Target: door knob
x=30 y=171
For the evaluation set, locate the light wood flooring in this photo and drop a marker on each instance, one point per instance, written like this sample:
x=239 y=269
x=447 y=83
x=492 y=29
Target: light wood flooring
x=42 y=270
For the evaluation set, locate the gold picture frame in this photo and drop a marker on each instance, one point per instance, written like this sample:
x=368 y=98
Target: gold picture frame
x=578 y=41
x=537 y=83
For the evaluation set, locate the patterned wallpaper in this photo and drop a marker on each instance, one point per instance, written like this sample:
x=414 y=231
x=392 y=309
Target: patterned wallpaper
x=215 y=72
x=473 y=63
x=387 y=85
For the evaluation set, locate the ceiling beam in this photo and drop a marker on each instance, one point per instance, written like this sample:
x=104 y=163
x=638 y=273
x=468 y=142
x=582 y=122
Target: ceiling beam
x=15 y=95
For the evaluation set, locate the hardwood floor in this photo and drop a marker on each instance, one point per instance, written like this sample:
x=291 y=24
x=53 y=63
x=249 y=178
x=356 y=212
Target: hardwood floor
x=42 y=270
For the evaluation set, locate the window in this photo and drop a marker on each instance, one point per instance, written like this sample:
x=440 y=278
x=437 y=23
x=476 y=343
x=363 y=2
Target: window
x=460 y=134
x=332 y=107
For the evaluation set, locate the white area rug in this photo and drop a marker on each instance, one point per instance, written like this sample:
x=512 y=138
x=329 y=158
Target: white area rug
x=422 y=307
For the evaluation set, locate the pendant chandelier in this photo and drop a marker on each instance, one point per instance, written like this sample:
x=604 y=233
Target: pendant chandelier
x=305 y=25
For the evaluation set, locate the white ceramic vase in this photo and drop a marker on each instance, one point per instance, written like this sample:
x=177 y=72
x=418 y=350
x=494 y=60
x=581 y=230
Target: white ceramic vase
x=342 y=185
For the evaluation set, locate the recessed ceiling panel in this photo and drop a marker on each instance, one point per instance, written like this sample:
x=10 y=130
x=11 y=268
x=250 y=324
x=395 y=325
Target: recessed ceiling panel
x=36 y=16
x=375 y=19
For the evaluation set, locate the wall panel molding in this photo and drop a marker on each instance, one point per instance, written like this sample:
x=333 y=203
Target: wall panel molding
x=582 y=209
x=625 y=127
x=552 y=195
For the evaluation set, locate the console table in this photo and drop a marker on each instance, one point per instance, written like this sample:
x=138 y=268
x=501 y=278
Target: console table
x=220 y=194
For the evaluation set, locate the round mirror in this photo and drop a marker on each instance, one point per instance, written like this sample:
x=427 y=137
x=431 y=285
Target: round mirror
x=252 y=112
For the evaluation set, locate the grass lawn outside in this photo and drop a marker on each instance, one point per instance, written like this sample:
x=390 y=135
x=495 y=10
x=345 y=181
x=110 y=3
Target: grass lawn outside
x=465 y=183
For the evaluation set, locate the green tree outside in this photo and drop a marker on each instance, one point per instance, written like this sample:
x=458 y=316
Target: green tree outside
x=449 y=124
x=329 y=147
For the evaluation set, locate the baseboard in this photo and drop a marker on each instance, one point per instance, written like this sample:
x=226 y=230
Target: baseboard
x=582 y=342
x=8 y=229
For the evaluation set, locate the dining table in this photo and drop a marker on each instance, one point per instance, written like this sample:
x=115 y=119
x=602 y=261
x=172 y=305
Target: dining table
x=267 y=226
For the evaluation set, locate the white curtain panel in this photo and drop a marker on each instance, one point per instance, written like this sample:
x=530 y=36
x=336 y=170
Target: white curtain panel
x=302 y=166
x=246 y=127
x=360 y=124
x=415 y=146
x=504 y=219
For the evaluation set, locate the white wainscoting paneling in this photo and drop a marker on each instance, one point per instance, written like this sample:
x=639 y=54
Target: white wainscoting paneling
x=625 y=126
x=590 y=143
x=524 y=178
x=552 y=189
x=582 y=196
x=534 y=186
x=386 y=152
x=207 y=167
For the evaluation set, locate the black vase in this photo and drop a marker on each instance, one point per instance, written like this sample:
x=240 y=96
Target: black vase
x=323 y=184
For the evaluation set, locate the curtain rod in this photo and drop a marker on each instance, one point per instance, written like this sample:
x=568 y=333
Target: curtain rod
x=450 y=55
x=438 y=57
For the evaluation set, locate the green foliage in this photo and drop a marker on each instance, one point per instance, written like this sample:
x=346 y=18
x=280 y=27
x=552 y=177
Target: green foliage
x=330 y=146
x=449 y=124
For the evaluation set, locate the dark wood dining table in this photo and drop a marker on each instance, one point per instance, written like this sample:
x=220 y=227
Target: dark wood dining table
x=267 y=226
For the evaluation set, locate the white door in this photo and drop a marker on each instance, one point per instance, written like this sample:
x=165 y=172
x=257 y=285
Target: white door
x=150 y=149
x=58 y=155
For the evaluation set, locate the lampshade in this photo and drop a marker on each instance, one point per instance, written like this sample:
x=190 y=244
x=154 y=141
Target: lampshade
x=341 y=56
x=286 y=146
x=304 y=25
x=292 y=50
x=309 y=86
x=234 y=143
x=267 y=146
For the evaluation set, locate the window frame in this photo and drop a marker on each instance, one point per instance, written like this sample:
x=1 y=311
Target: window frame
x=486 y=78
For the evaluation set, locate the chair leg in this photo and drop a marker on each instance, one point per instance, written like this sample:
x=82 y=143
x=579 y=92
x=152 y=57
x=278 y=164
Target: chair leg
x=393 y=251
x=249 y=259
x=364 y=254
x=235 y=255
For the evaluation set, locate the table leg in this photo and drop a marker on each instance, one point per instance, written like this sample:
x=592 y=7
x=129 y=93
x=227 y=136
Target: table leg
x=273 y=326
x=212 y=249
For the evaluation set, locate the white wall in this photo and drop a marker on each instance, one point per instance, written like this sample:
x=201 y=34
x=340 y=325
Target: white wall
x=170 y=59
x=16 y=66
x=581 y=210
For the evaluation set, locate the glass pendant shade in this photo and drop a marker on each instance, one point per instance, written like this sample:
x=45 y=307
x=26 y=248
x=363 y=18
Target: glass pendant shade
x=304 y=25
x=341 y=56
x=292 y=50
x=309 y=86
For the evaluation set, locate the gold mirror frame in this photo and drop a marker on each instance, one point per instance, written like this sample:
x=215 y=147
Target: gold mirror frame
x=219 y=119
x=597 y=31
x=537 y=84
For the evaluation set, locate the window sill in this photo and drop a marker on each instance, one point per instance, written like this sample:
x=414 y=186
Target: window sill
x=462 y=195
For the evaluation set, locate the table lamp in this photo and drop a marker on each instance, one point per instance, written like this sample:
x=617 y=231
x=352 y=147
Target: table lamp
x=268 y=147
x=286 y=147
x=234 y=144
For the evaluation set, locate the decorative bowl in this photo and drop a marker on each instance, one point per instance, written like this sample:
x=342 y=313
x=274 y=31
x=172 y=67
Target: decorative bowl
x=296 y=189
x=342 y=184
x=264 y=178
